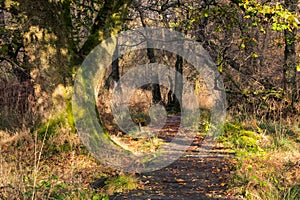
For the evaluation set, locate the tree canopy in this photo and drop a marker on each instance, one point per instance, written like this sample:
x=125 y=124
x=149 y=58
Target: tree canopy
x=254 y=43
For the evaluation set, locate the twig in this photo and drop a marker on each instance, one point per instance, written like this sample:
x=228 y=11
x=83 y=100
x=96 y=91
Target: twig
x=37 y=159
x=13 y=138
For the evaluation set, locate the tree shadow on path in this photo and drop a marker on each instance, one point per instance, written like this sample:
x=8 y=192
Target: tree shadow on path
x=190 y=177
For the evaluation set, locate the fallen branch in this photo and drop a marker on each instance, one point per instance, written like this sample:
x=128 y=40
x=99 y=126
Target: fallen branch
x=13 y=138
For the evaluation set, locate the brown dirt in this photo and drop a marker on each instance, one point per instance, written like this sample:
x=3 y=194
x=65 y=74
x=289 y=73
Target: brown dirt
x=191 y=177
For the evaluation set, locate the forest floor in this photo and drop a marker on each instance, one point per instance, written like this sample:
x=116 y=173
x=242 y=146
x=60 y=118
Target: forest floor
x=253 y=160
x=193 y=176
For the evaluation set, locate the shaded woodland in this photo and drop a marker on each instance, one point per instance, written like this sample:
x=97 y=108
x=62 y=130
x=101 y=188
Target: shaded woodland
x=255 y=45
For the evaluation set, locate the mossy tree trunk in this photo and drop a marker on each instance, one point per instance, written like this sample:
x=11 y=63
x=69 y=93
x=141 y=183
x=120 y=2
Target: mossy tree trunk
x=108 y=22
x=47 y=32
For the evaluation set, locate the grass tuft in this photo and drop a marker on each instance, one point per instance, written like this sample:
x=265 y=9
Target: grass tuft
x=267 y=159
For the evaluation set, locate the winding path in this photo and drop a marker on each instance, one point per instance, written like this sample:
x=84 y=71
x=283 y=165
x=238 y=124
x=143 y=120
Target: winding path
x=192 y=176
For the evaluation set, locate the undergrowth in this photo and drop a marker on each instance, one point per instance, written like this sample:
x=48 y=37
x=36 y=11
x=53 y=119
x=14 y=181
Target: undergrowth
x=49 y=162
x=267 y=161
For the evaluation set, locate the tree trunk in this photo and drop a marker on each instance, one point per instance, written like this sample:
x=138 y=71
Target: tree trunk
x=289 y=68
x=178 y=82
x=115 y=64
x=105 y=25
x=150 y=53
x=2 y=19
x=155 y=87
x=114 y=76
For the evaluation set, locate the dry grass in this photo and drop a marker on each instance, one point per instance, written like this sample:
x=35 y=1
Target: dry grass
x=138 y=146
x=273 y=171
x=33 y=168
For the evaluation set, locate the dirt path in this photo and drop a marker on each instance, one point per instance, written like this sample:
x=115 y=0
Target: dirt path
x=190 y=177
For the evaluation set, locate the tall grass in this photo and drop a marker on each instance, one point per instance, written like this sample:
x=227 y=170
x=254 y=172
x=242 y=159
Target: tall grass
x=267 y=159
x=51 y=163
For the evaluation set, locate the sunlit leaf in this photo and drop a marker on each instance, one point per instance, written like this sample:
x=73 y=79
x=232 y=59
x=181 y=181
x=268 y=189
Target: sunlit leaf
x=298 y=67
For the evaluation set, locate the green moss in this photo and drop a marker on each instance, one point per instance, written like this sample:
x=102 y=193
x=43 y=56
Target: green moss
x=50 y=127
x=122 y=183
x=70 y=117
x=292 y=193
x=235 y=135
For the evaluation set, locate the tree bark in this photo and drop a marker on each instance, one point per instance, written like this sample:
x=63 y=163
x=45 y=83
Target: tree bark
x=150 y=54
x=178 y=83
x=104 y=26
x=155 y=87
x=115 y=64
x=289 y=68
